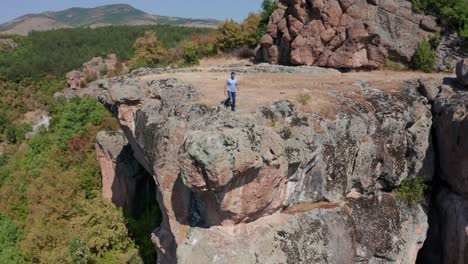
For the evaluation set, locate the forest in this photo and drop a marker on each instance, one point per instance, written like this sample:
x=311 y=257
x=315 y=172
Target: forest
x=56 y=52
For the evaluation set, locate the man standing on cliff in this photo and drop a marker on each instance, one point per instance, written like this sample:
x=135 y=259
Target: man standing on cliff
x=232 y=87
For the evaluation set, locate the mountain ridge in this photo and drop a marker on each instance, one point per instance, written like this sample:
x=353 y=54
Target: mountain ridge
x=106 y=15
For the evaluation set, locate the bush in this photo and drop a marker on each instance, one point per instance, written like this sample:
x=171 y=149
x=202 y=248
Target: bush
x=424 y=57
x=57 y=52
x=229 y=36
x=394 y=66
x=453 y=13
x=303 y=99
x=249 y=30
x=10 y=238
x=411 y=191
x=149 y=52
x=73 y=118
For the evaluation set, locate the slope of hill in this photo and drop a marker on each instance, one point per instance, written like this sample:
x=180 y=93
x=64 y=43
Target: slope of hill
x=119 y=14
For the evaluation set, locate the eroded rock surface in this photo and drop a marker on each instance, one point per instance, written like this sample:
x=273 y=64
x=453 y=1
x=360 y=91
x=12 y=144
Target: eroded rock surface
x=462 y=72
x=124 y=181
x=278 y=185
x=447 y=237
x=344 y=33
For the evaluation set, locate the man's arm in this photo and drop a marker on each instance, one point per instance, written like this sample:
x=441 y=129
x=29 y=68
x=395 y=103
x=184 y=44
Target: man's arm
x=226 y=89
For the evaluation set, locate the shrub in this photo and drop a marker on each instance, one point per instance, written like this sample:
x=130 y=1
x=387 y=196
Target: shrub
x=303 y=99
x=79 y=252
x=249 y=30
x=229 y=36
x=411 y=191
x=10 y=237
x=425 y=56
x=190 y=54
x=435 y=40
x=394 y=66
x=149 y=52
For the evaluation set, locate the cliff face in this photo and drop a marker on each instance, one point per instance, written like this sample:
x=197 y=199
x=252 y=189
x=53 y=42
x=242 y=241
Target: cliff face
x=448 y=234
x=279 y=185
x=344 y=33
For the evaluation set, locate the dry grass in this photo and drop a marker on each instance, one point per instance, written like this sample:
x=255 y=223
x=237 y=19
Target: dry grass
x=262 y=89
x=303 y=98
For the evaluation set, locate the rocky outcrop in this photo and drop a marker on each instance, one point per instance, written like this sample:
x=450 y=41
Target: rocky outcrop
x=278 y=185
x=449 y=52
x=7 y=44
x=447 y=237
x=96 y=68
x=344 y=33
x=124 y=181
x=75 y=80
x=462 y=72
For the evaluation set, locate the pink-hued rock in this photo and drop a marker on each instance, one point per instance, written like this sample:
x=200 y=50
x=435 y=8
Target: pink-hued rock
x=255 y=187
x=430 y=23
x=272 y=30
x=356 y=31
x=327 y=35
x=360 y=59
x=345 y=4
x=266 y=41
x=385 y=26
x=332 y=13
x=295 y=25
x=75 y=80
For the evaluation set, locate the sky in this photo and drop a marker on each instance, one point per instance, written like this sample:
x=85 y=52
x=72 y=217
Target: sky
x=217 y=9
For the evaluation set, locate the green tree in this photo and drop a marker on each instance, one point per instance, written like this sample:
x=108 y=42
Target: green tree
x=424 y=57
x=249 y=30
x=229 y=36
x=149 y=52
x=10 y=238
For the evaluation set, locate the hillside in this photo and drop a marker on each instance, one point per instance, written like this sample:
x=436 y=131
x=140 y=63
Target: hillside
x=108 y=15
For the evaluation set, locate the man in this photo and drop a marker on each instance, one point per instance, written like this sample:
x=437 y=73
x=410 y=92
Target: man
x=232 y=87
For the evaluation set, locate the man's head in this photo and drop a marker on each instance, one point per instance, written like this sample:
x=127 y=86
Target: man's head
x=233 y=75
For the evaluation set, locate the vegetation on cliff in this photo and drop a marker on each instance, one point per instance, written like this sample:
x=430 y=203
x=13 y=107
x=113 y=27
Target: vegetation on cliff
x=453 y=13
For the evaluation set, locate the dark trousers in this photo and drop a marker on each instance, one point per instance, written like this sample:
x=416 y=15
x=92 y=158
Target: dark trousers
x=232 y=95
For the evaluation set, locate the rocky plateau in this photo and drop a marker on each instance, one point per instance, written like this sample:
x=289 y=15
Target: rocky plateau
x=282 y=185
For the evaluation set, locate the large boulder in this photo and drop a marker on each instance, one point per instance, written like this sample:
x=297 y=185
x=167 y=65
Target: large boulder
x=75 y=80
x=278 y=185
x=451 y=124
x=345 y=33
x=462 y=72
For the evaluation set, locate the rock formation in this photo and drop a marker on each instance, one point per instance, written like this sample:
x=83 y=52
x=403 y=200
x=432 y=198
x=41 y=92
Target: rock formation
x=278 y=185
x=75 y=80
x=462 y=72
x=124 y=181
x=8 y=44
x=448 y=237
x=344 y=33
x=96 y=68
x=449 y=52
